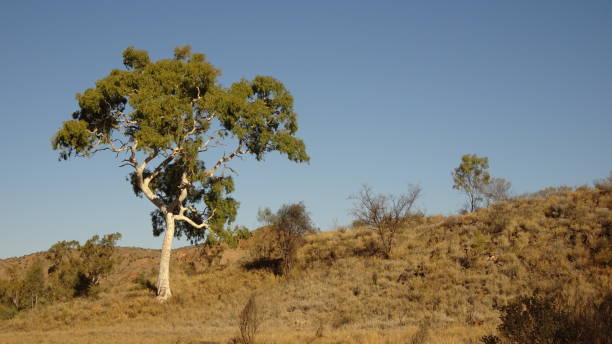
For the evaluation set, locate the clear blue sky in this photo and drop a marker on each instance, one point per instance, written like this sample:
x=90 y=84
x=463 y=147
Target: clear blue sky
x=387 y=93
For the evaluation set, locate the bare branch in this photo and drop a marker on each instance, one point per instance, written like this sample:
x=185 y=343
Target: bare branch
x=225 y=159
x=126 y=121
x=163 y=164
x=385 y=214
x=203 y=224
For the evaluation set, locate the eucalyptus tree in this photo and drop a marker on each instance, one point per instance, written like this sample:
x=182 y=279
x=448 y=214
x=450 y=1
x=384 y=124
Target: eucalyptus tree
x=471 y=177
x=177 y=128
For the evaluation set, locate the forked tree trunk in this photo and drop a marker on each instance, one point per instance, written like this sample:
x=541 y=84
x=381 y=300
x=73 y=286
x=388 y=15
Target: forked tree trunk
x=163 y=281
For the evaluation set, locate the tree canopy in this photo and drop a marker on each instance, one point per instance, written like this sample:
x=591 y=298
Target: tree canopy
x=470 y=177
x=177 y=127
x=166 y=111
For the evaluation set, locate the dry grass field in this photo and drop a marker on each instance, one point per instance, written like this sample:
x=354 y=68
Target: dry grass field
x=444 y=282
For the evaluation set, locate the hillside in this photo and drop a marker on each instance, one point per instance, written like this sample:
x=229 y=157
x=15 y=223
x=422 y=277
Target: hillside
x=446 y=278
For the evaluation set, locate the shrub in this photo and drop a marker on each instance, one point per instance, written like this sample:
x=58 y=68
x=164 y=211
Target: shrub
x=385 y=214
x=76 y=270
x=538 y=320
x=34 y=285
x=498 y=219
x=249 y=321
x=230 y=237
x=97 y=257
x=530 y=320
x=279 y=241
x=144 y=283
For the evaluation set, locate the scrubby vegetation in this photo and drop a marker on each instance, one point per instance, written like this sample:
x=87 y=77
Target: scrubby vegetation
x=275 y=246
x=536 y=319
x=533 y=269
x=67 y=270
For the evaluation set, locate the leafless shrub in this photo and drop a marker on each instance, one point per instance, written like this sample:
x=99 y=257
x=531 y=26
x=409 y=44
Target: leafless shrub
x=249 y=322
x=385 y=214
x=498 y=189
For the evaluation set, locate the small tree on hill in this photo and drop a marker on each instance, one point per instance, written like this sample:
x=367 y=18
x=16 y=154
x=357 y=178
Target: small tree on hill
x=12 y=289
x=385 y=214
x=34 y=284
x=166 y=117
x=97 y=257
x=470 y=177
x=23 y=291
x=64 y=259
x=76 y=268
x=289 y=225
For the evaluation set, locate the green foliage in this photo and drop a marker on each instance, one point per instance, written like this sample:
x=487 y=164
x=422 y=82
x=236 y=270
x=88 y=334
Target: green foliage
x=97 y=258
x=18 y=293
x=76 y=270
x=75 y=138
x=64 y=259
x=12 y=291
x=470 y=177
x=231 y=236
x=34 y=285
x=170 y=113
x=133 y=58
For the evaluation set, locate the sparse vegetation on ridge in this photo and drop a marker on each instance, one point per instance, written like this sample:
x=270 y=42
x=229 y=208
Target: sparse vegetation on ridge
x=449 y=279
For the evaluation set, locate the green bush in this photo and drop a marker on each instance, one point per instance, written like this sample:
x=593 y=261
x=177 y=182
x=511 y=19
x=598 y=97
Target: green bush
x=76 y=270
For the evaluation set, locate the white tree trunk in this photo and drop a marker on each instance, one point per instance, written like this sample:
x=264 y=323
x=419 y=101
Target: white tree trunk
x=163 y=281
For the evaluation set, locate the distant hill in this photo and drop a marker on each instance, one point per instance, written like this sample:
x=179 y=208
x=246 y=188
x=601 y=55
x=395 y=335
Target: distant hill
x=445 y=281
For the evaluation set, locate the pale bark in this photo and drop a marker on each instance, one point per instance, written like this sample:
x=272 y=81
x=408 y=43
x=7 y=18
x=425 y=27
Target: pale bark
x=163 y=281
x=173 y=211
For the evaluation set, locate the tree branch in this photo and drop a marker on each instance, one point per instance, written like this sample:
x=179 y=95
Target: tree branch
x=225 y=159
x=204 y=223
x=161 y=166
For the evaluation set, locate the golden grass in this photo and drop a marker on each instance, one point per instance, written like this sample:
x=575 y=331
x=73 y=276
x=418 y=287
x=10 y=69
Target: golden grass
x=448 y=272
